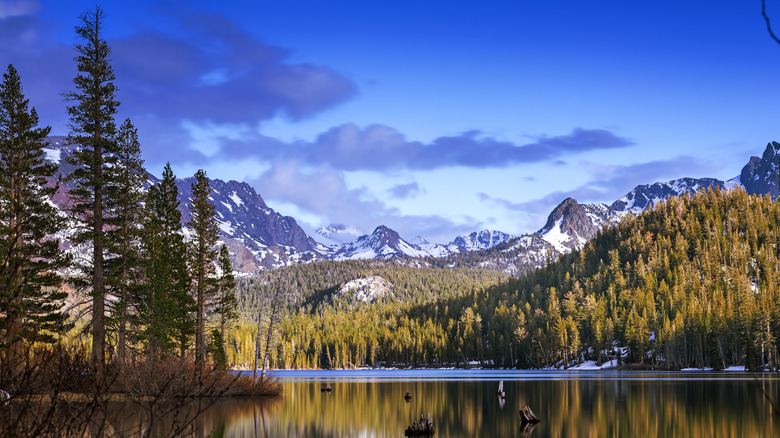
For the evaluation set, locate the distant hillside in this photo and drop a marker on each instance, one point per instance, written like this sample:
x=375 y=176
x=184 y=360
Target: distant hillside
x=311 y=285
x=692 y=282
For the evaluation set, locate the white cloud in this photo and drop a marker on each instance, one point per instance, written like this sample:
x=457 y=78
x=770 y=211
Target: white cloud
x=17 y=8
x=206 y=137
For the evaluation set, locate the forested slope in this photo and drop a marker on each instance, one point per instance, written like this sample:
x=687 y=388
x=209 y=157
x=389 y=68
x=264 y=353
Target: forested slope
x=690 y=283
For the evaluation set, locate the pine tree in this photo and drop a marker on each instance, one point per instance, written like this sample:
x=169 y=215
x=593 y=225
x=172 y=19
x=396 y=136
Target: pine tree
x=30 y=298
x=167 y=308
x=227 y=304
x=92 y=125
x=216 y=349
x=202 y=254
x=124 y=238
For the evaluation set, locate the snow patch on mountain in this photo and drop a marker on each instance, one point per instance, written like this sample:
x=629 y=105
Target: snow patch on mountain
x=557 y=238
x=52 y=155
x=236 y=200
x=368 y=289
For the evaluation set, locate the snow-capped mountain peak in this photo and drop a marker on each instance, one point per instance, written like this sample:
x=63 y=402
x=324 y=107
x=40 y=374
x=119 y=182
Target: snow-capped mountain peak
x=645 y=196
x=383 y=243
x=337 y=234
x=481 y=240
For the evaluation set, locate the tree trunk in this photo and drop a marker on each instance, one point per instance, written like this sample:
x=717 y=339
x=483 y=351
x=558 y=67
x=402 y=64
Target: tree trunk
x=200 y=329
x=98 y=284
x=269 y=338
x=257 y=344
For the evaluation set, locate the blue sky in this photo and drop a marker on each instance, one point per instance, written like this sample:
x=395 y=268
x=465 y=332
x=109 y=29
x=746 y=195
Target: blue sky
x=435 y=118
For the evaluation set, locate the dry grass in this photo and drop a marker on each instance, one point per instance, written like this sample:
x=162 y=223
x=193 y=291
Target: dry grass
x=58 y=393
x=175 y=378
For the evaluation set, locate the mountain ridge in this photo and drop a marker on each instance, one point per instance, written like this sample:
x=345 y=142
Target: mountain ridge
x=259 y=238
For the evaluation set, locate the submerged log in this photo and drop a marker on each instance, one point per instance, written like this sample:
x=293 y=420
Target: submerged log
x=528 y=416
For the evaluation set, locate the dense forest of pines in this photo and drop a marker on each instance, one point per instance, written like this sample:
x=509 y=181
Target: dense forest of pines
x=692 y=282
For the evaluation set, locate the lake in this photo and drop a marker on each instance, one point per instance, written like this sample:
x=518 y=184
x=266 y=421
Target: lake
x=464 y=403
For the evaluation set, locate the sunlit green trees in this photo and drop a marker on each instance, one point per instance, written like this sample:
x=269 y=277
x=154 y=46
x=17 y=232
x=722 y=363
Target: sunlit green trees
x=690 y=283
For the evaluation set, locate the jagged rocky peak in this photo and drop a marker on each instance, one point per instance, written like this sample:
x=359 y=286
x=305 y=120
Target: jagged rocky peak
x=257 y=236
x=382 y=243
x=646 y=196
x=237 y=194
x=481 y=240
x=367 y=289
x=571 y=224
x=385 y=235
x=760 y=175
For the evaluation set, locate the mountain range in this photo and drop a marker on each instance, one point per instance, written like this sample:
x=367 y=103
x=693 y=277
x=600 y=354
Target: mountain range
x=259 y=238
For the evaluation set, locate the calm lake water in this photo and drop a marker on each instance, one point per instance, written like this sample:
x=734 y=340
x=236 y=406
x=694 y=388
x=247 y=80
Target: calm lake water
x=464 y=403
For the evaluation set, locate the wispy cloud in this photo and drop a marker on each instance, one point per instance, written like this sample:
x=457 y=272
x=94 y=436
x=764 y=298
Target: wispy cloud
x=324 y=193
x=403 y=191
x=18 y=8
x=383 y=148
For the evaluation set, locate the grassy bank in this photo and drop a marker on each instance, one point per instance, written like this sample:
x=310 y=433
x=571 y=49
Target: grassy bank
x=59 y=393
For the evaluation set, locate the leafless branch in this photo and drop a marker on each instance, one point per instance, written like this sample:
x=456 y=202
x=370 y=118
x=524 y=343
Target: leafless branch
x=768 y=25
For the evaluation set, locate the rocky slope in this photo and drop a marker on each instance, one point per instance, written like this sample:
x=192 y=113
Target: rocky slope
x=258 y=237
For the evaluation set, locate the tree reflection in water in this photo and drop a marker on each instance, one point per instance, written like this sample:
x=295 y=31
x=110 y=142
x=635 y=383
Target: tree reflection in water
x=598 y=405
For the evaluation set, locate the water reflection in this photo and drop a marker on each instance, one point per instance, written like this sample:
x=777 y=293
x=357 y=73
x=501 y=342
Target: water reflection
x=642 y=405
x=582 y=406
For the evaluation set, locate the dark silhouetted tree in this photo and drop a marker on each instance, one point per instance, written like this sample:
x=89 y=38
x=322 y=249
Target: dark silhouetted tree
x=30 y=299
x=168 y=307
x=125 y=268
x=92 y=125
x=202 y=254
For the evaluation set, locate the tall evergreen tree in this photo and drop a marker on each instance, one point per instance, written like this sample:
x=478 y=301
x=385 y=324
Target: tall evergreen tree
x=227 y=304
x=124 y=238
x=92 y=125
x=202 y=254
x=29 y=257
x=168 y=307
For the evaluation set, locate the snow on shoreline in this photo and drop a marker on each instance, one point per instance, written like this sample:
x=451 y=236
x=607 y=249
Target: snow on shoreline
x=589 y=365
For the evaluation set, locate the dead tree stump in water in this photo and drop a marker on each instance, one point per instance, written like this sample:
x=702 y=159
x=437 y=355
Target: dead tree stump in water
x=528 y=416
x=423 y=428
